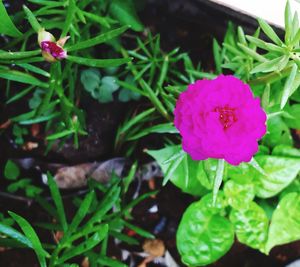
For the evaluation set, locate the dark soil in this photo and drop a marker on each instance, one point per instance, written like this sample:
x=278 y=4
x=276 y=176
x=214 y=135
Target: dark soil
x=188 y=24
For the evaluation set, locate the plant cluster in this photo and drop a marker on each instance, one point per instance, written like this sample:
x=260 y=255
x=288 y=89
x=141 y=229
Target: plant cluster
x=258 y=202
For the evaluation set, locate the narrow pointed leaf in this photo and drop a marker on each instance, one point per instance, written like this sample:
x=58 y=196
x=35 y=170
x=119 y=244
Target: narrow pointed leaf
x=7 y=27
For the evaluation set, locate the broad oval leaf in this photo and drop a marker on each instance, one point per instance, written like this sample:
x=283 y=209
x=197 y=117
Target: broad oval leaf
x=285 y=223
x=251 y=226
x=203 y=236
x=280 y=172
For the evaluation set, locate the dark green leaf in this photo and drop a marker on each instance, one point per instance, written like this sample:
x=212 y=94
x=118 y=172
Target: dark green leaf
x=11 y=170
x=84 y=246
x=98 y=63
x=162 y=156
x=32 y=236
x=124 y=11
x=56 y=196
x=97 y=40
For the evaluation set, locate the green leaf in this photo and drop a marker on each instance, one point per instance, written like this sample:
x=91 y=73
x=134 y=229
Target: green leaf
x=178 y=176
x=285 y=223
x=22 y=77
x=264 y=45
x=19 y=55
x=159 y=128
x=239 y=195
x=124 y=11
x=218 y=178
x=108 y=201
x=102 y=38
x=280 y=172
x=11 y=170
x=278 y=132
x=8 y=231
x=287 y=89
x=126 y=95
x=56 y=196
x=87 y=245
x=90 y=78
x=138 y=230
x=69 y=17
x=32 y=236
x=203 y=236
x=252 y=53
x=7 y=27
x=269 y=32
x=98 y=63
x=251 y=226
x=20 y=184
x=80 y=214
x=286 y=151
x=288 y=21
x=276 y=64
x=105 y=92
x=32 y=19
x=294 y=111
x=217 y=56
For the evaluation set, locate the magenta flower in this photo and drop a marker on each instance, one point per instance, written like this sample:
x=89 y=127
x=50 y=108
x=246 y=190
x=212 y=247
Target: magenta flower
x=220 y=119
x=53 y=49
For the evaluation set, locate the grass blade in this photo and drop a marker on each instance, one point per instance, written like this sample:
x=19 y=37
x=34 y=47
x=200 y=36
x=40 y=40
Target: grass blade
x=99 y=63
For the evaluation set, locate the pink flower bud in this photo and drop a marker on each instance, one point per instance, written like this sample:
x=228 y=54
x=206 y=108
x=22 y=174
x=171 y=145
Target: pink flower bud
x=51 y=50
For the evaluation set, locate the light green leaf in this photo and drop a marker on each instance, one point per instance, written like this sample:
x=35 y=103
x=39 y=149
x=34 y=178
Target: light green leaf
x=276 y=64
x=239 y=196
x=286 y=151
x=280 y=172
x=7 y=27
x=287 y=89
x=269 y=32
x=203 y=235
x=251 y=226
x=288 y=19
x=285 y=223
